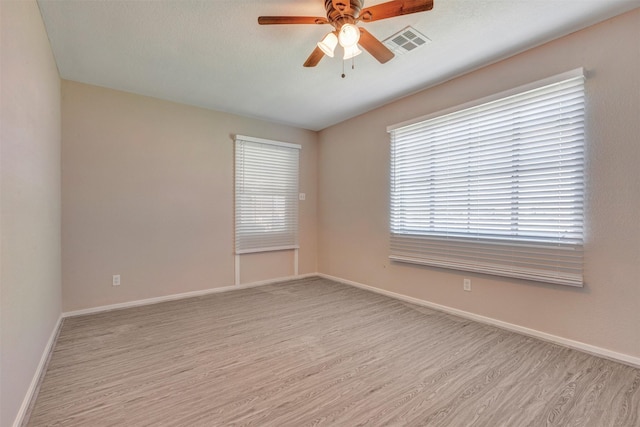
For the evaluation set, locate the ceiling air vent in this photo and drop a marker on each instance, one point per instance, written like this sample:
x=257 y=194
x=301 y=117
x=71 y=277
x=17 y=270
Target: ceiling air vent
x=406 y=40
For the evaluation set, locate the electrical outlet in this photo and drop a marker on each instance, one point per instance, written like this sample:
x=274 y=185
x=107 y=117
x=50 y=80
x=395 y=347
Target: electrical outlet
x=466 y=285
x=302 y=196
x=116 y=280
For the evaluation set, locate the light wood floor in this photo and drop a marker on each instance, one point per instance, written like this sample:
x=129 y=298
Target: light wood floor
x=314 y=352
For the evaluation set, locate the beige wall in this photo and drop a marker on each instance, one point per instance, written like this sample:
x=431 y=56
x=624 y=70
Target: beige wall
x=30 y=291
x=354 y=197
x=148 y=194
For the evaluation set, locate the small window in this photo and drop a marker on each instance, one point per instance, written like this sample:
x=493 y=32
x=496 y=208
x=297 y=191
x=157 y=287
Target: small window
x=497 y=187
x=266 y=195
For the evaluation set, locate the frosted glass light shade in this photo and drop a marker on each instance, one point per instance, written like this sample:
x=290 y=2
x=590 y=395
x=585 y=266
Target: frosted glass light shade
x=351 y=51
x=328 y=44
x=349 y=35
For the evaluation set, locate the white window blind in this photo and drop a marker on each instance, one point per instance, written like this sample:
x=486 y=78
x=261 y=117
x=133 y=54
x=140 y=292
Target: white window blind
x=266 y=195
x=496 y=188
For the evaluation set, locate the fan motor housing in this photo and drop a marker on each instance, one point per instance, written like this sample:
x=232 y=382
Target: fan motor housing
x=341 y=12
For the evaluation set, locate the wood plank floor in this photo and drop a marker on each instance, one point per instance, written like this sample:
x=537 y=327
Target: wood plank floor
x=315 y=352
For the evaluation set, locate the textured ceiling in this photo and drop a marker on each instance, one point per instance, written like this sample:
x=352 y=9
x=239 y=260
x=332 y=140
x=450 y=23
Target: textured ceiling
x=213 y=53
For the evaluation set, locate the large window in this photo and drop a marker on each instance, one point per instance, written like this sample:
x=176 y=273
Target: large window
x=266 y=191
x=497 y=187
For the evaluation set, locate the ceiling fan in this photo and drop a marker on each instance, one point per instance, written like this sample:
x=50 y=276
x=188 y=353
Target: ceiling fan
x=343 y=15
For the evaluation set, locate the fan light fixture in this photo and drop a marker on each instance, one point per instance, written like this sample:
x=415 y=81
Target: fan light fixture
x=351 y=52
x=349 y=35
x=328 y=44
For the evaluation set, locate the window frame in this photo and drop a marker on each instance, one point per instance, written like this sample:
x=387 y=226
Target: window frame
x=250 y=235
x=409 y=246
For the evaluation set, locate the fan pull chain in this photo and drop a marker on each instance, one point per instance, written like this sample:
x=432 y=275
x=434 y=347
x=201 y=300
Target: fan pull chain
x=353 y=66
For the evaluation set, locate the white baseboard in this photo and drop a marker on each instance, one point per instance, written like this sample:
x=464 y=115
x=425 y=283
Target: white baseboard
x=577 y=345
x=35 y=381
x=191 y=294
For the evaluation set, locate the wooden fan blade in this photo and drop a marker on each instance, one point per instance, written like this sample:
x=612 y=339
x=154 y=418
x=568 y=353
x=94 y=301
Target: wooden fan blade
x=374 y=46
x=277 y=20
x=394 y=8
x=314 y=58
